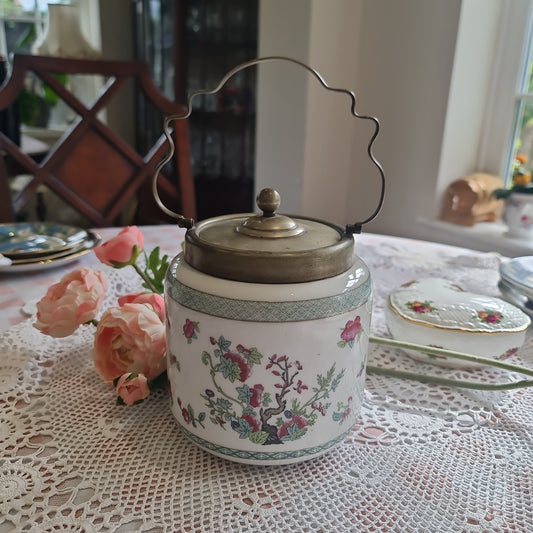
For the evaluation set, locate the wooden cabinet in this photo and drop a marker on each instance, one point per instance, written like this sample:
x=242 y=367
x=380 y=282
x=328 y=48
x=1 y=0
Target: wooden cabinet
x=190 y=45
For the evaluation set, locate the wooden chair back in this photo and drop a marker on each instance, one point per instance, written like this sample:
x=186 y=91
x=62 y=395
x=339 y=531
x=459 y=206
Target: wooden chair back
x=91 y=167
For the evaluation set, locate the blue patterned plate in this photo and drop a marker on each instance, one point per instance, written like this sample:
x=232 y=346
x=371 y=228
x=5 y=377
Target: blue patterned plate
x=32 y=239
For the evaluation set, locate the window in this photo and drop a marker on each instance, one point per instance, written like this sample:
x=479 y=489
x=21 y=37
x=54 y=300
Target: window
x=520 y=152
x=22 y=22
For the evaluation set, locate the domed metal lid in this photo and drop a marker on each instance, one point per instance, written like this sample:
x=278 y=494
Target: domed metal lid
x=268 y=248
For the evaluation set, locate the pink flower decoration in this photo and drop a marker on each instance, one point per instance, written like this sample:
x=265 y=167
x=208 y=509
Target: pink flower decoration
x=257 y=395
x=132 y=388
x=74 y=300
x=130 y=338
x=351 y=330
x=420 y=307
x=121 y=250
x=152 y=299
x=296 y=420
x=241 y=362
x=188 y=329
x=254 y=424
x=490 y=317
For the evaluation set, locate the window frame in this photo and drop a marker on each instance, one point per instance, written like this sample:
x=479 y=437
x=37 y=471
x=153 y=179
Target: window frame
x=514 y=42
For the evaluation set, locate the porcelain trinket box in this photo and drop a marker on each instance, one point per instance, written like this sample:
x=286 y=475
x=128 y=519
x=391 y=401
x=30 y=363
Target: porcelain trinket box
x=436 y=312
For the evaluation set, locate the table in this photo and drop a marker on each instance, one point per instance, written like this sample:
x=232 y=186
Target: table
x=422 y=458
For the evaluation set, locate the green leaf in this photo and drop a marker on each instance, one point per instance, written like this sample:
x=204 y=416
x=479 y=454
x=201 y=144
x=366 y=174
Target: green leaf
x=254 y=357
x=259 y=437
x=156 y=268
x=206 y=357
x=224 y=344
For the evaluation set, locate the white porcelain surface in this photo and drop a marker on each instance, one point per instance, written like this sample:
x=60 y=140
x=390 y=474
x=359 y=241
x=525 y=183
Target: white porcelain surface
x=518 y=215
x=436 y=312
x=262 y=381
x=272 y=292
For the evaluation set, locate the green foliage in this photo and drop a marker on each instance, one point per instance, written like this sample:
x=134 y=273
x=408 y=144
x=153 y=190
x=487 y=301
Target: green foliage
x=505 y=193
x=37 y=100
x=156 y=268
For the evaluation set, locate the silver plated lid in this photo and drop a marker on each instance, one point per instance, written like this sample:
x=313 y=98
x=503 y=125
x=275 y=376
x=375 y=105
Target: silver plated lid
x=270 y=247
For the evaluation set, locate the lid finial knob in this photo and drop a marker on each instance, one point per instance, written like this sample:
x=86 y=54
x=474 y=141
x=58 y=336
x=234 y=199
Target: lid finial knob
x=268 y=200
x=269 y=225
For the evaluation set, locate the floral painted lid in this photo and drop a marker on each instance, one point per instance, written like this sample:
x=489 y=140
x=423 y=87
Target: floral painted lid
x=436 y=302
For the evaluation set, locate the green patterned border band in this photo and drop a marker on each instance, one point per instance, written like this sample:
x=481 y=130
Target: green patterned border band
x=260 y=311
x=262 y=456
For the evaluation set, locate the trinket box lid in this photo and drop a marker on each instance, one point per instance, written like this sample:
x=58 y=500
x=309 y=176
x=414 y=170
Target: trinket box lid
x=440 y=303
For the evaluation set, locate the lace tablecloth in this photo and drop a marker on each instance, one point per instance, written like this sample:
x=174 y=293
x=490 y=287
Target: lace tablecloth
x=423 y=458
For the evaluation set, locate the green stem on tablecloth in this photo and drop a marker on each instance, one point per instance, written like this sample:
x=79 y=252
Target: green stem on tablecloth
x=453 y=355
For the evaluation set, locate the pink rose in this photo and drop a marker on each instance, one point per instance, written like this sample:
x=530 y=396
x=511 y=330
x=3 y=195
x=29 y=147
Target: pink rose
x=132 y=388
x=351 y=330
x=148 y=298
x=188 y=328
x=130 y=338
x=121 y=250
x=74 y=300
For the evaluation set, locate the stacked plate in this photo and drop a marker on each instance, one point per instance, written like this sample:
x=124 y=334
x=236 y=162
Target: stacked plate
x=38 y=245
x=516 y=282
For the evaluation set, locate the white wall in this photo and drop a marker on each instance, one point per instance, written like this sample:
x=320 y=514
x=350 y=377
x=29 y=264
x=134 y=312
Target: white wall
x=301 y=127
x=421 y=66
x=281 y=124
x=406 y=62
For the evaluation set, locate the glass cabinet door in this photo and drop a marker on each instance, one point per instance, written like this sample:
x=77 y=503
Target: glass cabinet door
x=190 y=45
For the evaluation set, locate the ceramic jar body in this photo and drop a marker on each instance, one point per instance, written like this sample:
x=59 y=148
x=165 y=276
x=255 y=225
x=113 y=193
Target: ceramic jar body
x=518 y=215
x=266 y=373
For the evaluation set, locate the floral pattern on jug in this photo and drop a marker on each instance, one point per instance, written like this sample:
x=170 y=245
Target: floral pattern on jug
x=261 y=416
x=350 y=333
x=267 y=382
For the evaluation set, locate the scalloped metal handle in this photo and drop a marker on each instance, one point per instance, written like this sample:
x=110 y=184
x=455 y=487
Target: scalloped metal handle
x=188 y=222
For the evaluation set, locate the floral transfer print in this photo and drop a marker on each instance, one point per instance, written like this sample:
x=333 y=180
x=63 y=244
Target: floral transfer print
x=263 y=416
x=526 y=222
x=189 y=416
x=489 y=317
x=420 y=307
x=190 y=330
x=509 y=353
x=350 y=333
x=343 y=411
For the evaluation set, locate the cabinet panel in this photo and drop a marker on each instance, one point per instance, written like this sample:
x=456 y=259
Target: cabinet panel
x=190 y=45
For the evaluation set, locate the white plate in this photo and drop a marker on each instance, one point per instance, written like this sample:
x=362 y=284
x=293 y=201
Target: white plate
x=54 y=260
x=518 y=272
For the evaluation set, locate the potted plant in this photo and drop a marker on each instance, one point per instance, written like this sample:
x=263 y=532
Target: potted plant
x=518 y=209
